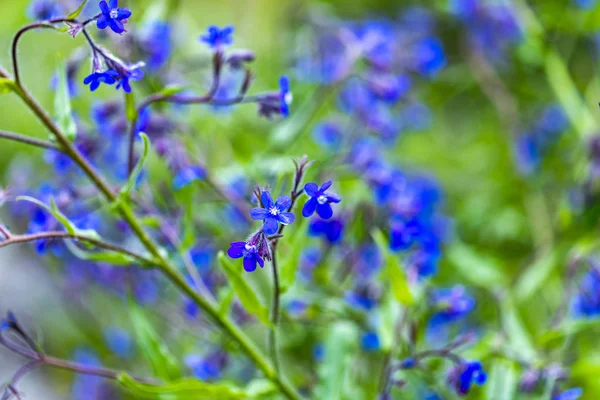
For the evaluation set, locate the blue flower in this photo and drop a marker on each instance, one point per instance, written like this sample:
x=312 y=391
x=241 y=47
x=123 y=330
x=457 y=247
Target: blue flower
x=273 y=213
x=404 y=233
x=285 y=95
x=331 y=230
x=466 y=375
x=584 y=4
x=319 y=201
x=570 y=394
x=112 y=16
x=277 y=103
x=94 y=79
x=328 y=135
x=207 y=368
x=587 y=300
x=370 y=341
x=119 y=341
x=217 y=37
x=188 y=175
x=157 y=44
x=135 y=73
x=430 y=57
x=249 y=252
x=45 y=9
x=451 y=304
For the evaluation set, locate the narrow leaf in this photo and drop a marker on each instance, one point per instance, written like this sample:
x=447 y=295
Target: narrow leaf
x=109 y=257
x=131 y=182
x=243 y=290
x=535 y=276
x=76 y=13
x=479 y=269
x=503 y=381
x=393 y=271
x=62 y=105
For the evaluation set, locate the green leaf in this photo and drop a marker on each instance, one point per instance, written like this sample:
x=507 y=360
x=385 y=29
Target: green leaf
x=62 y=105
x=341 y=345
x=130 y=185
x=76 y=13
x=7 y=85
x=243 y=290
x=225 y=301
x=109 y=257
x=393 y=271
x=182 y=389
x=171 y=90
x=518 y=335
x=156 y=352
x=502 y=383
x=534 y=277
x=290 y=263
x=479 y=269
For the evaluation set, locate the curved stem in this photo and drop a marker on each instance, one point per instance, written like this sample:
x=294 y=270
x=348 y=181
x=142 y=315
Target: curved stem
x=16 y=137
x=15 y=239
x=275 y=315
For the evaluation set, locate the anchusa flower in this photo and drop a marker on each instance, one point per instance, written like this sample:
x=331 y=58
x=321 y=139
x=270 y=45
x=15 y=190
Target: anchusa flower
x=254 y=251
x=370 y=342
x=209 y=367
x=273 y=213
x=331 y=230
x=113 y=16
x=156 y=44
x=276 y=103
x=108 y=77
x=462 y=377
x=569 y=394
x=451 y=304
x=329 y=135
x=216 y=37
x=320 y=201
x=45 y=9
x=587 y=300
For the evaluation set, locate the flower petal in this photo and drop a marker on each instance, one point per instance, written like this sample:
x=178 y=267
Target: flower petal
x=311 y=189
x=236 y=251
x=261 y=262
x=104 y=7
x=123 y=13
x=102 y=22
x=283 y=203
x=113 y=4
x=267 y=200
x=259 y=214
x=270 y=226
x=333 y=197
x=250 y=262
x=116 y=26
x=325 y=186
x=95 y=84
x=309 y=207
x=286 y=218
x=325 y=211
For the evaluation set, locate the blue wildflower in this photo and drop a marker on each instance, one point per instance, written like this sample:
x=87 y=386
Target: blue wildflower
x=188 y=175
x=408 y=363
x=370 y=341
x=273 y=213
x=255 y=251
x=45 y=9
x=429 y=56
x=119 y=341
x=157 y=44
x=320 y=200
x=404 y=233
x=113 y=16
x=277 y=103
x=218 y=37
x=584 y=4
x=95 y=78
x=134 y=73
x=207 y=368
x=467 y=374
x=360 y=298
x=587 y=300
x=570 y=394
x=331 y=230
x=451 y=304
x=328 y=135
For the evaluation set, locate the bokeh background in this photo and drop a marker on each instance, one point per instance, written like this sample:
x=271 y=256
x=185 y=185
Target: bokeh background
x=504 y=123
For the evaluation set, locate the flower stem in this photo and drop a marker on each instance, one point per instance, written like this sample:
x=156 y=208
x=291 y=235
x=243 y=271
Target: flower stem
x=16 y=137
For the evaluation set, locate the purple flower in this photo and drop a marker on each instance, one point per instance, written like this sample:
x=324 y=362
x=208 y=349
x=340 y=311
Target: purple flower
x=255 y=250
x=273 y=213
x=113 y=16
x=217 y=37
x=94 y=79
x=207 y=368
x=319 y=200
x=463 y=377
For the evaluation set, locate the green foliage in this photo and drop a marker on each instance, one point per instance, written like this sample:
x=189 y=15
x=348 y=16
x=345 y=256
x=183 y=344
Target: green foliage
x=78 y=11
x=62 y=105
x=393 y=271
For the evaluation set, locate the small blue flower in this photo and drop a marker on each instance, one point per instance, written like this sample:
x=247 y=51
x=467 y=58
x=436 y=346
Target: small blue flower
x=207 y=368
x=408 y=363
x=285 y=95
x=188 y=175
x=217 y=37
x=94 y=79
x=331 y=230
x=466 y=375
x=430 y=57
x=249 y=252
x=587 y=300
x=134 y=73
x=370 y=341
x=113 y=16
x=319 y=201
x=328 y=135
x=570 y=394
x=119 y=341
x=45 y=9
x=277 y=103
x=273 y=213
x=157 y=44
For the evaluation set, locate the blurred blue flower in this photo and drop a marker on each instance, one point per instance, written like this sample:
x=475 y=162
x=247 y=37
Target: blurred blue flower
x=273 y=213
x=188 y=175
x=328 y=134
x=45 y=9
x=320 y=200
x=429 y=56
x=331 y=230
x=95 y=78
x=113 y=16
x=465 y=375
x=131 y=73
x=450 y=304
x=360 y=298
x=156 y=43
x=217 y=37
x=207 y=368
x=119 y=341
x=370 y=341
x=587 y=299
x=570 y=394
x=584 y=4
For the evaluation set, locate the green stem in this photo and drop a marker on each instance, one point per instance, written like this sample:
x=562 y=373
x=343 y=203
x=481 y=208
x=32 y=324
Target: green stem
x=164 y=266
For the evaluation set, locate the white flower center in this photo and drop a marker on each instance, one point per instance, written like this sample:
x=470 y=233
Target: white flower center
x=288 y=98
x=322 y=199
x=274 y=211
x=250 y=248
x=114 y=13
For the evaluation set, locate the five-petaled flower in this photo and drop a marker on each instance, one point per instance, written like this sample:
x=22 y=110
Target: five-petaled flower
x=113 y=16
x=217 y=37
x=95 y=78
x=273 y=213
x=319 y=200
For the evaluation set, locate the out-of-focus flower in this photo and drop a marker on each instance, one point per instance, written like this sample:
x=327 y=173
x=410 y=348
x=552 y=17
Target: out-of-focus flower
x=108 y=77
x=370 y=341
x=587 y=299
x=217 y=38
x=462 y=377
x=45 y=9
x=331 y=230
